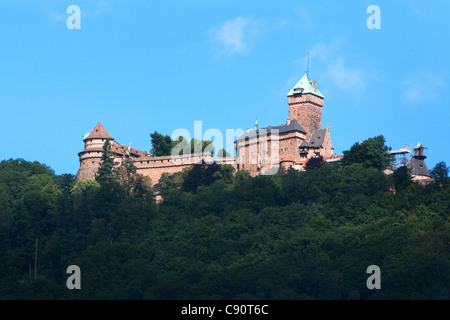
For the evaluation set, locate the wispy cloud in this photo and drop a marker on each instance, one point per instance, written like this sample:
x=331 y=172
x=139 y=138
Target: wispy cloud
x=102 y=7
x=345 y=77
x=328 y=61
x=422 y=87
x=235 y=36
x=57 y=16
x=305 y=18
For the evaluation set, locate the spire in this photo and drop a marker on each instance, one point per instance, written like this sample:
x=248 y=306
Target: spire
x=99 y=132
x=256 y=124
x=304 y=86
x=307 y=68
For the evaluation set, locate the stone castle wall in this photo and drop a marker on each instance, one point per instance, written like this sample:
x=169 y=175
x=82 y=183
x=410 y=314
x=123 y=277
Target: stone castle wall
x=152 y=167
x=307 y=110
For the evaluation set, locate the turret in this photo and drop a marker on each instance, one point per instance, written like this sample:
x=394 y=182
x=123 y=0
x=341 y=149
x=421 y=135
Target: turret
x=93 y=149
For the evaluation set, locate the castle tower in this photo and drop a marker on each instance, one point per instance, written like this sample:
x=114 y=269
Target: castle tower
x=417 y=167
x=305 y=105
x=90 y=157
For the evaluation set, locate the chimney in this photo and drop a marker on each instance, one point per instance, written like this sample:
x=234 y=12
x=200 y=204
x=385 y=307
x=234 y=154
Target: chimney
x=315 y=84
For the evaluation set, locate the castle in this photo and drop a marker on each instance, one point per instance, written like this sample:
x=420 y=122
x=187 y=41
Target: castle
x=259 y=151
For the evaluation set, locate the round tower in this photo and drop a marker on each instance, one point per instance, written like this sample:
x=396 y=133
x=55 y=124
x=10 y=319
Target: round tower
x=90 y=157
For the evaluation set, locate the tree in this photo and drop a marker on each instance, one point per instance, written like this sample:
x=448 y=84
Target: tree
x=82 y=190
x=161 y=145
x=200 y=174
x=130 y=180
x=314 y=163
x=440 y=174
x=105 y=172
x=172 y=181
x=83 y=185
x=225 y=173
x=66 y=181
x=370 y=153
x=222 y=153
x=194 y=146
x=402 y=178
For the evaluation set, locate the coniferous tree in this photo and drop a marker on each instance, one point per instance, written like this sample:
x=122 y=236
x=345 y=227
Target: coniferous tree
x=105 y=172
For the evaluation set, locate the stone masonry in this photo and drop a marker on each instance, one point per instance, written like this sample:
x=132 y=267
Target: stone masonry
x=259 y=151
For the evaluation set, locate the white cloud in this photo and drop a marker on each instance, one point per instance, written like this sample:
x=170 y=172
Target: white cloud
x=328 y=62
x=58 y=17
x=235 y=36
x=344 y=77
x=102 y=6
x=422 y=87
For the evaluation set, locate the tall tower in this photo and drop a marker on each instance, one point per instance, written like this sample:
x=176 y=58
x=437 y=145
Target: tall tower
x=305 y=105
x=90 y=157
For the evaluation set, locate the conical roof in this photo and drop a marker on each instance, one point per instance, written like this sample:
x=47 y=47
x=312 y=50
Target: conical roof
x=304 y=86
x=99 y=132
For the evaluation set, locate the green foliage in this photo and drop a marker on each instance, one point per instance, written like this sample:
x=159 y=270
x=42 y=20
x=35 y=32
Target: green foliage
x=164 y=145
x=440 y=174
x=133 y=182
x=314 y=163
x=222 y=153
x=225 y=235
x=200 y=175
x=161 y=145
x=370 y=153
x=105 y=172
x=402 y=178
x=225 y=173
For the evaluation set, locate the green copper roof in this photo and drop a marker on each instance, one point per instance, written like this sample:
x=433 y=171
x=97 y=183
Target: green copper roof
x=305 y=85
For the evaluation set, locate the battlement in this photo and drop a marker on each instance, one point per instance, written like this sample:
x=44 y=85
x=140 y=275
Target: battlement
x=154 y=167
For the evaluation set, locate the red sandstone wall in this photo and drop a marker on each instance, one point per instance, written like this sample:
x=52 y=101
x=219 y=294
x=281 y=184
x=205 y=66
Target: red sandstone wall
x=152 y=167
x=307 y=110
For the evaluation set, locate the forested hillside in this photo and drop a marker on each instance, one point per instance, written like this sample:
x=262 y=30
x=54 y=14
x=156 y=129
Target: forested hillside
x=224 y=235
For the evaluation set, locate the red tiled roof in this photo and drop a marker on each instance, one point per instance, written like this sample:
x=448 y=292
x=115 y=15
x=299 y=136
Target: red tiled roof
x=287 y=158
x=99 y=132
x=122 y=149
x=333 y=157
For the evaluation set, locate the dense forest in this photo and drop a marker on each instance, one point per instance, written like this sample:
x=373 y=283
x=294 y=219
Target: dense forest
x=220 y=234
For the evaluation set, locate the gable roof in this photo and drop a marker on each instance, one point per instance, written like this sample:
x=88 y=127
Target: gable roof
x=292 y=126
x=99 y=132
x=316 y=140
x=304 y=86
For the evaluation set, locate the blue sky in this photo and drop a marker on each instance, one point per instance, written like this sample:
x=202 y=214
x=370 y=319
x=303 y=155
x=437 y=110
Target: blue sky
x=145 y=66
